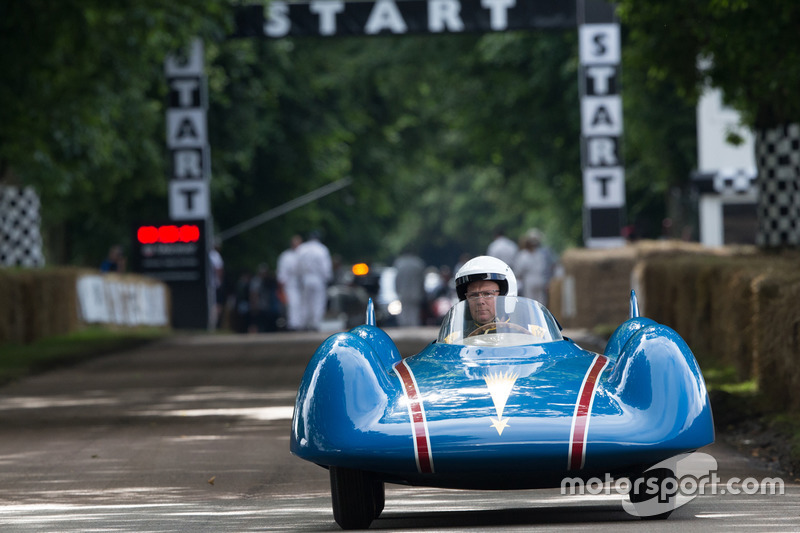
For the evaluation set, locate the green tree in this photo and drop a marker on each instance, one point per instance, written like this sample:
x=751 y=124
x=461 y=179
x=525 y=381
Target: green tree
x=483 y=132
x=83 y=109
x=444 y=137
x=753 y=56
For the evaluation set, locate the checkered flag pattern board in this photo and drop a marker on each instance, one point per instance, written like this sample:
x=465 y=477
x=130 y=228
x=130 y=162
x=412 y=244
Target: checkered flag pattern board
x=778 y=155
x=735 y=182
x=20 y=238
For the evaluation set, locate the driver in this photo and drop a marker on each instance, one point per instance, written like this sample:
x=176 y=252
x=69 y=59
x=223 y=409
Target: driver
x=480 y=281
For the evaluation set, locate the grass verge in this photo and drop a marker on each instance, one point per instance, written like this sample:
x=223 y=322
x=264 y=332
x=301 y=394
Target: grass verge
x=20 y=360
x=742 y=420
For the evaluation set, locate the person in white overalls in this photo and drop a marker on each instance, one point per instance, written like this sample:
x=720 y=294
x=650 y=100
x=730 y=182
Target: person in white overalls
x=289 y=280
x=316 y=270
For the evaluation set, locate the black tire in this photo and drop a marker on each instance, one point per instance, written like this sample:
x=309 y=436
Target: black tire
x=658 y=479
x=379 y=496
x=353 y=496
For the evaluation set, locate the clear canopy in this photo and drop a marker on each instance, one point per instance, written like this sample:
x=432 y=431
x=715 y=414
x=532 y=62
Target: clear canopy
x=489 y=320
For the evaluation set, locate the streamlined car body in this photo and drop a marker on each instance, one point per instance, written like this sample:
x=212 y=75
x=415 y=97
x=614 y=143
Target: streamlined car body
x=510 y=404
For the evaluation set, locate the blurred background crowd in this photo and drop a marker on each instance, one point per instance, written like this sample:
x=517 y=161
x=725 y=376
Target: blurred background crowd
x=311 y=289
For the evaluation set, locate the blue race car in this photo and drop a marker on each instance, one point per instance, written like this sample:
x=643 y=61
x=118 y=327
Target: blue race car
x=511 y=404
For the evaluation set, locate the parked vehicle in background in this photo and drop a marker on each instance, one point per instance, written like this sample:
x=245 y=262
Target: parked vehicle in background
x=441 y=292
x=387 y=301
x=347 y=299
x=346 y=305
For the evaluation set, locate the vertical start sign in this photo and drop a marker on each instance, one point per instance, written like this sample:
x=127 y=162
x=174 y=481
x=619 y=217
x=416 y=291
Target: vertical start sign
x=183 y=264
x=601 y=125
x=187 y=135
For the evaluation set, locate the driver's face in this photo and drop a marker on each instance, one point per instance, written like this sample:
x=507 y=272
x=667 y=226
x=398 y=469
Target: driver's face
x=482 y=308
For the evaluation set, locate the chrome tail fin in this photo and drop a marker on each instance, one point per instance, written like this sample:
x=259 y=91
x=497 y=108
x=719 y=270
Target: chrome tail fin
x=370 y=313
x=634 y=305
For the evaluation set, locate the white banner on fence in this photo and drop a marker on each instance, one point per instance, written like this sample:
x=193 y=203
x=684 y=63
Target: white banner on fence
x=109 y=299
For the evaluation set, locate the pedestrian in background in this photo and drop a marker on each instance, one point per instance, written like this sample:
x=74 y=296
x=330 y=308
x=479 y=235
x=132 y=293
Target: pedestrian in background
x=502 y=247
x=115 y=261
x=462 y=260
x=265 y=307
x=316 y=270
x=410 y=288
x=534 y=266
x=218 y=281
x=442 y=297
x=289 y=284
x=242 y=304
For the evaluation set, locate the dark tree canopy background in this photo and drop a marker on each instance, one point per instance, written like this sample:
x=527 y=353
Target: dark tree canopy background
x=444 y=137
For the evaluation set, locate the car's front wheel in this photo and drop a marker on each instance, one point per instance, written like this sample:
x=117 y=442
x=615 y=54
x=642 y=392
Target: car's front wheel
x=356 y=496
x=653 y=494
x=379 y=496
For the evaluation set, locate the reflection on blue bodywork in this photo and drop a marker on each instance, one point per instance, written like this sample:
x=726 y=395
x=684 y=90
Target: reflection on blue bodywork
x=501 y=416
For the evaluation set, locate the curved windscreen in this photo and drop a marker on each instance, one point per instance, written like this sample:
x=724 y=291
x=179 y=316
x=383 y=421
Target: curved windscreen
x=488 y=320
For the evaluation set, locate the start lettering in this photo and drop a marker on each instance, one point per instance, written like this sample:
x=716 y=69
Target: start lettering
x=385 y=16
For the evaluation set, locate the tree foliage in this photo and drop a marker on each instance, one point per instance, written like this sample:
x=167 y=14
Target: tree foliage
x=483 y=132
x=444 y=137
x=82 y=118
x=748 y=49
x=751 y=46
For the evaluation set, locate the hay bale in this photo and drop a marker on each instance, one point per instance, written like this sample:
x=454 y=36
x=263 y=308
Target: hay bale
x=594 y=289
x=15 y=315
x=707 y=299
x=732 y=311
x=596 y=283
x=733 y=305
x=776 y=294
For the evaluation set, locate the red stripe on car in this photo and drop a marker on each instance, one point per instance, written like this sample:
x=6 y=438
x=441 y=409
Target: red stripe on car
x=416 y=413
x=583 y=410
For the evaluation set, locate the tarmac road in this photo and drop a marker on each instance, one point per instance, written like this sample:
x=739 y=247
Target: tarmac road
x=191 y=434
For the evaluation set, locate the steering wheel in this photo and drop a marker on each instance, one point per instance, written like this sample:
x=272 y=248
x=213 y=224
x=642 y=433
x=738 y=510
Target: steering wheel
x=496 y=325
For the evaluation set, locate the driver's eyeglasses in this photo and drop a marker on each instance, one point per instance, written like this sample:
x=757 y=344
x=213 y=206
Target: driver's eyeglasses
x=482 y=295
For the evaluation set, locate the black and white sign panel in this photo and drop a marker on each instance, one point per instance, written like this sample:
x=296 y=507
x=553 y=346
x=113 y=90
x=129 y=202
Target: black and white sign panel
x=603 y=187
x=186 y=128
x=186 y=92
x=601 y=129
x=600 y=80
x=601 y=115
x=602 y=152
x=324 y=18
x=187 y=63
x=188 y=199
x=603 y=225
x=599 y=44
x=189 y=164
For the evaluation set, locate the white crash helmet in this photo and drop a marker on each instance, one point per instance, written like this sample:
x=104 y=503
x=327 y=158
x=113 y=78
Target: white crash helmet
x=486 y=268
